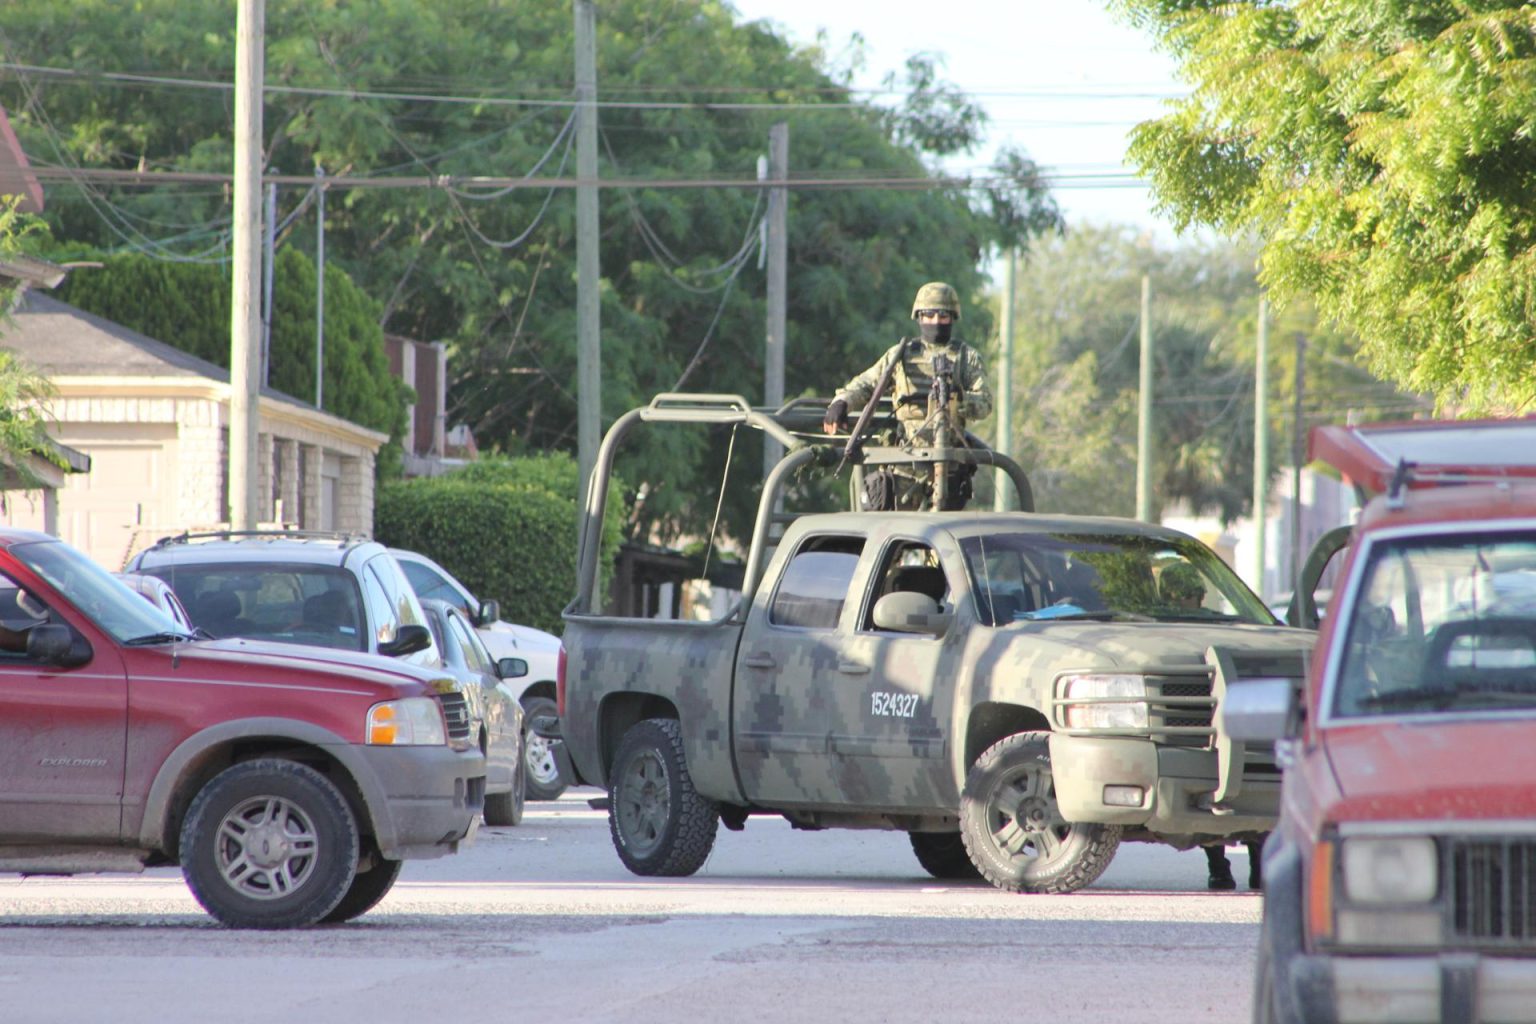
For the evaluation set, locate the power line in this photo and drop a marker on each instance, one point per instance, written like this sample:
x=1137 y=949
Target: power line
x=1075 y=93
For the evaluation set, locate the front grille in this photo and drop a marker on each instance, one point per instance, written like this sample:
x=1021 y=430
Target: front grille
x=1185 y=715
x=456 y=713
x=1491 y=886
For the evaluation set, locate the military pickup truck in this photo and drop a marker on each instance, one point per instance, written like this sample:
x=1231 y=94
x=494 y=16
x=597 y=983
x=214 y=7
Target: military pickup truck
x=1018 y=692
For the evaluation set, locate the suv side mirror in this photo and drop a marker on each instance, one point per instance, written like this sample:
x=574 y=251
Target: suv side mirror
x=1261 y=710
x=408 y=640
x=56 y=644
x=511 y=668
x=490 y=611
x=908 y=612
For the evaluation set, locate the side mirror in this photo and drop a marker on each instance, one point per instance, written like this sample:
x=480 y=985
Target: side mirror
x=1260 y=710
x=56 y=644
x=408 y=640
x=511 y=668
x=907 y=612
x=490 y=611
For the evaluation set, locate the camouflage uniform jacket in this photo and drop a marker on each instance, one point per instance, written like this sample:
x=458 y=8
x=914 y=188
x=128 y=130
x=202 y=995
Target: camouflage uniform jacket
x=914 y=375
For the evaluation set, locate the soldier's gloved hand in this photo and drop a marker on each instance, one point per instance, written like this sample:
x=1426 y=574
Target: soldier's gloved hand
x=836 y=418
x=912 y=398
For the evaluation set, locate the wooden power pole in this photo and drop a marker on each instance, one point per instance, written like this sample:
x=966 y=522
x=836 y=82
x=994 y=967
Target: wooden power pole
x=589 y=374
x=778 y=283
x=245 y=315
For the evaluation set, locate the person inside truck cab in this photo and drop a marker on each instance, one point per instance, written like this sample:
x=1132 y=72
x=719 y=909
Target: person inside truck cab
x=936 y=308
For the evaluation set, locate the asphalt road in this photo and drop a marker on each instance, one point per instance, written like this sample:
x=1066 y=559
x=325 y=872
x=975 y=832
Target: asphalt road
x=542 y=923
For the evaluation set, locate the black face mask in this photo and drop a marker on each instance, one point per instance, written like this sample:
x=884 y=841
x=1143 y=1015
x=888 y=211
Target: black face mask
x=936 y=332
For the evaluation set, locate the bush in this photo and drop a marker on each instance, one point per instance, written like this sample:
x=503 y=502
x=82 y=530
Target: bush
x=505 y=527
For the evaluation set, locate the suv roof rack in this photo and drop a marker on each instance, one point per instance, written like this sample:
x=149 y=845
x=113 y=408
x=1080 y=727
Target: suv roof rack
x=187 y=538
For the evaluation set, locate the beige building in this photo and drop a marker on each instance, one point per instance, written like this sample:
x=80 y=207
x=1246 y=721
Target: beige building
x=154 y=422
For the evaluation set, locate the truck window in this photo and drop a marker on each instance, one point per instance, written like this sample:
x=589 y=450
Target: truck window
x=1442 y=625
x=816 y=583
x=907 y=566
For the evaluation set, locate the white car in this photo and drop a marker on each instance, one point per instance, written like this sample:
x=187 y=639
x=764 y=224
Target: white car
x=535 y=691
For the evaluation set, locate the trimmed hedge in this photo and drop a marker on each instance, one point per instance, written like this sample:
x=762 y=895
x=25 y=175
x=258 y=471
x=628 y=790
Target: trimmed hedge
x=505 y=527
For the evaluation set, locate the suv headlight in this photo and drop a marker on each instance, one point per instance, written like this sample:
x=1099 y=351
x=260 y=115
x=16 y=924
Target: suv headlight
x=1390 y=870
x=1119 y=701
x=411 y=721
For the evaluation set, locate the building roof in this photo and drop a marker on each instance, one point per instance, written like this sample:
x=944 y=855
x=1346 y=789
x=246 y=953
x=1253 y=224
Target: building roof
x=62 y=342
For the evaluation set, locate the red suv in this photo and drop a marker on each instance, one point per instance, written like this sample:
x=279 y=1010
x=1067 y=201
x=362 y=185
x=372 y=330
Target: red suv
x=1400 y=882
x=288 y=783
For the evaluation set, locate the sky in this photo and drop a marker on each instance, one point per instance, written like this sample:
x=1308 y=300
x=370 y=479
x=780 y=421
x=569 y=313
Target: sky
x=1063 y=80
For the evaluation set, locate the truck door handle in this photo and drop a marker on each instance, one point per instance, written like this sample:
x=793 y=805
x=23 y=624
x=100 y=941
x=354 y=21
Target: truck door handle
x=759 y=659
x=852 y=668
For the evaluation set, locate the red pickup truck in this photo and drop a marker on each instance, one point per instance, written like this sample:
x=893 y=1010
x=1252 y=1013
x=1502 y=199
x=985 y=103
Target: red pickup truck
x=1400 y=882
x=288 y=783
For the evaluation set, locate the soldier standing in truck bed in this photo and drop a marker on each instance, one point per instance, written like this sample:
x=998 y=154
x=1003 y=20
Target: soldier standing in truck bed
x=936 y=310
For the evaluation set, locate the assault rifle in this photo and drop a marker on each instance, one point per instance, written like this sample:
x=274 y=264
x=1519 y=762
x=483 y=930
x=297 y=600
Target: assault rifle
x=856 y=435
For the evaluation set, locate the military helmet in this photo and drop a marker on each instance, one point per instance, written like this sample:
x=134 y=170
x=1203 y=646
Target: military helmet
x=936 y=295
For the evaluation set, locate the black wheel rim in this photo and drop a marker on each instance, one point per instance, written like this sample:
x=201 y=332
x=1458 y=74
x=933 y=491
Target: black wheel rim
x=1023 y=820
x=643 y=802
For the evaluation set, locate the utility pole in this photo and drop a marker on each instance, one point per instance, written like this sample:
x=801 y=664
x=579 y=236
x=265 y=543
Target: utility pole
x=1144 y=409
x=1298 y=447
x=1002 y=500
x=589 y=378
x=245 y=314
x=319 y=286
x=778 y=283
x=1260 y=445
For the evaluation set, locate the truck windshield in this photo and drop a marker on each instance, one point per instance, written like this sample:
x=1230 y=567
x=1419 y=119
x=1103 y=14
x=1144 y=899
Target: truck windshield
x=99 y=595
x=1021 y=577
x=1442 y=625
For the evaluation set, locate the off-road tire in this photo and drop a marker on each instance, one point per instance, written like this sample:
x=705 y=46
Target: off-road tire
x=504 y=810
x=659 y=822
x=1013 y=829
x=367 y=888
x=943 y=855
x=545 y=780
x=293 y=822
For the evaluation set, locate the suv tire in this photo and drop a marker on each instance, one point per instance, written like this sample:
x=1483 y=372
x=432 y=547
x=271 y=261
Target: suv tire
x=269 y=844
x=659 y=822
x=1013 y=828
x=368 y=887
x=545 y=781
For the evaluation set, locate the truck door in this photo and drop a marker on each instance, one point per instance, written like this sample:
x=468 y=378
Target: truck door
x=62 y=735
x=894 y=701
x=790 y=676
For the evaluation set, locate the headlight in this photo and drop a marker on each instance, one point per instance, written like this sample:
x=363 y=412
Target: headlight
x=1125 y=714
x=412 y=721
x=1390 y=870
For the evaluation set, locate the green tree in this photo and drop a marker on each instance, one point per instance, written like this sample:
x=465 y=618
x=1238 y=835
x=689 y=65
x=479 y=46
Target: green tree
x=692 y=96
x=1382 y=150
x=24 y=394
x=1077 y=374
x=188 y=305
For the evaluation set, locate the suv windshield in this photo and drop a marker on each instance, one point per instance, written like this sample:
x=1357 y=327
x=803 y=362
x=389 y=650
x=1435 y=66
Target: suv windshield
x=99 y=595
x=1442 y=625
x=1019 y=577
x=296 y=604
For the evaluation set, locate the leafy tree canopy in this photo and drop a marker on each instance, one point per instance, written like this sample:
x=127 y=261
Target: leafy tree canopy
x=1077 y=374
x=688 y=95
x=1383 y=150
